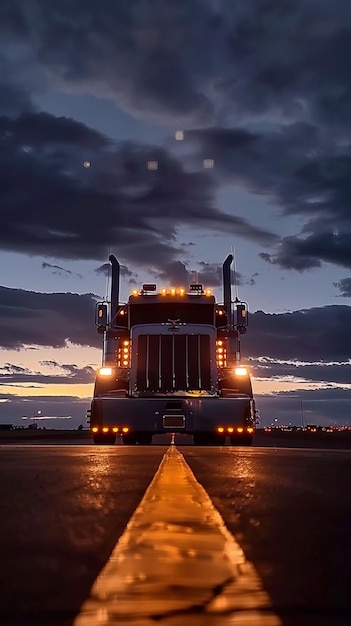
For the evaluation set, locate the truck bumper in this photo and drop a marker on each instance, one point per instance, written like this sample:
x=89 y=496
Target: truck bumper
x=161 y=415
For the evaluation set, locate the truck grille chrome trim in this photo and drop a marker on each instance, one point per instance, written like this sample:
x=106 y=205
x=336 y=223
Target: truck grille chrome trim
x=168 y=363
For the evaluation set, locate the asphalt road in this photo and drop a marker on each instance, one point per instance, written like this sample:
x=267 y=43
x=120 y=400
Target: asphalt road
x=64 y=507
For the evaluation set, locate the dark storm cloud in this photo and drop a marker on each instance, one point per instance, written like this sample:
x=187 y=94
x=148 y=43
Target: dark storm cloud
x=46 y=319
x=318 y=336
x=208 y=274
x=175 y=273
x=13 y=99
x=60 y=271
x=195 y=59
x=314 y=372
x=125 y=272
x=142 y=55
x=320 y=333
x=301 y=254
x=42 y=130
x=344 y=285
x=305 y=173
x=66 y=192
x=69 y=375
x=278 y=74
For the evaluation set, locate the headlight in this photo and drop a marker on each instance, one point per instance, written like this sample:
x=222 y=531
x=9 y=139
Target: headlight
x=105 y=371
x=240 y=371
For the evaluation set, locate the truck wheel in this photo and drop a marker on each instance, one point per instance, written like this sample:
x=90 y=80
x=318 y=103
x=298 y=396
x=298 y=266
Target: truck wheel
x=105 y=440
x=236 y=440
x=201 y=439
x=144 y=439
x=217 y=440
x=129 y=439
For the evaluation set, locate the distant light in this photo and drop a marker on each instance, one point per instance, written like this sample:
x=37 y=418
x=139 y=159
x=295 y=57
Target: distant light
x=208 y=163
x=87 y=164
x=179 y=135
x=152 y=165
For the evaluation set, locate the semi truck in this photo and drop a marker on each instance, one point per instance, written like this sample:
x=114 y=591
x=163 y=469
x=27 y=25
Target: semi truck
x=171 y=364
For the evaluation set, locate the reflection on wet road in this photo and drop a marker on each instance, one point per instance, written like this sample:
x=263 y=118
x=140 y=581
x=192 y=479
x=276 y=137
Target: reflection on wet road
x=64 y=508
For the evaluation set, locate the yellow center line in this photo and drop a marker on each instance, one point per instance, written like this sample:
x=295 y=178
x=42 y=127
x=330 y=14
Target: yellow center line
x=177 y=561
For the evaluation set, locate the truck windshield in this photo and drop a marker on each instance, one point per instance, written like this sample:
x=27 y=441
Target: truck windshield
x=156 y=313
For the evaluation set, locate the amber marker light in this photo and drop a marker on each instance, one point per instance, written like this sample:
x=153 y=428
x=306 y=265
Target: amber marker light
x=105 y=429
x=95 y=429
x=163 y=291
x=220 y=429
x=208 y=292
x=105 y=371
x=125 y=429
x=250 y=430
x=240 y=430
x=230 y=429
x=115 y=430
x=181 y=291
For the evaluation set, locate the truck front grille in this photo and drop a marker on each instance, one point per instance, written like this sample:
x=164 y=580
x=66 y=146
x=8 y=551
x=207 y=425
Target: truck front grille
x=173 y=362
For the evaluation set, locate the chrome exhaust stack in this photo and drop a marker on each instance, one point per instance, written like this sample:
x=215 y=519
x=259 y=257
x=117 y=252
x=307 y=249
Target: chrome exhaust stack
x=227 y=288
x=114 y=289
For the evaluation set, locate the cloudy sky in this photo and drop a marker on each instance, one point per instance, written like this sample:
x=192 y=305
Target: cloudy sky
x=93 y=92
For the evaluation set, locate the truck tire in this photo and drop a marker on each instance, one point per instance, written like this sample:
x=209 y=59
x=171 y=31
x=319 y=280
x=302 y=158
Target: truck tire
x=105 y=440
x=217 y=440
x=144 y=439
x=201 y=439
x=237 y=440
x=130 y=439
